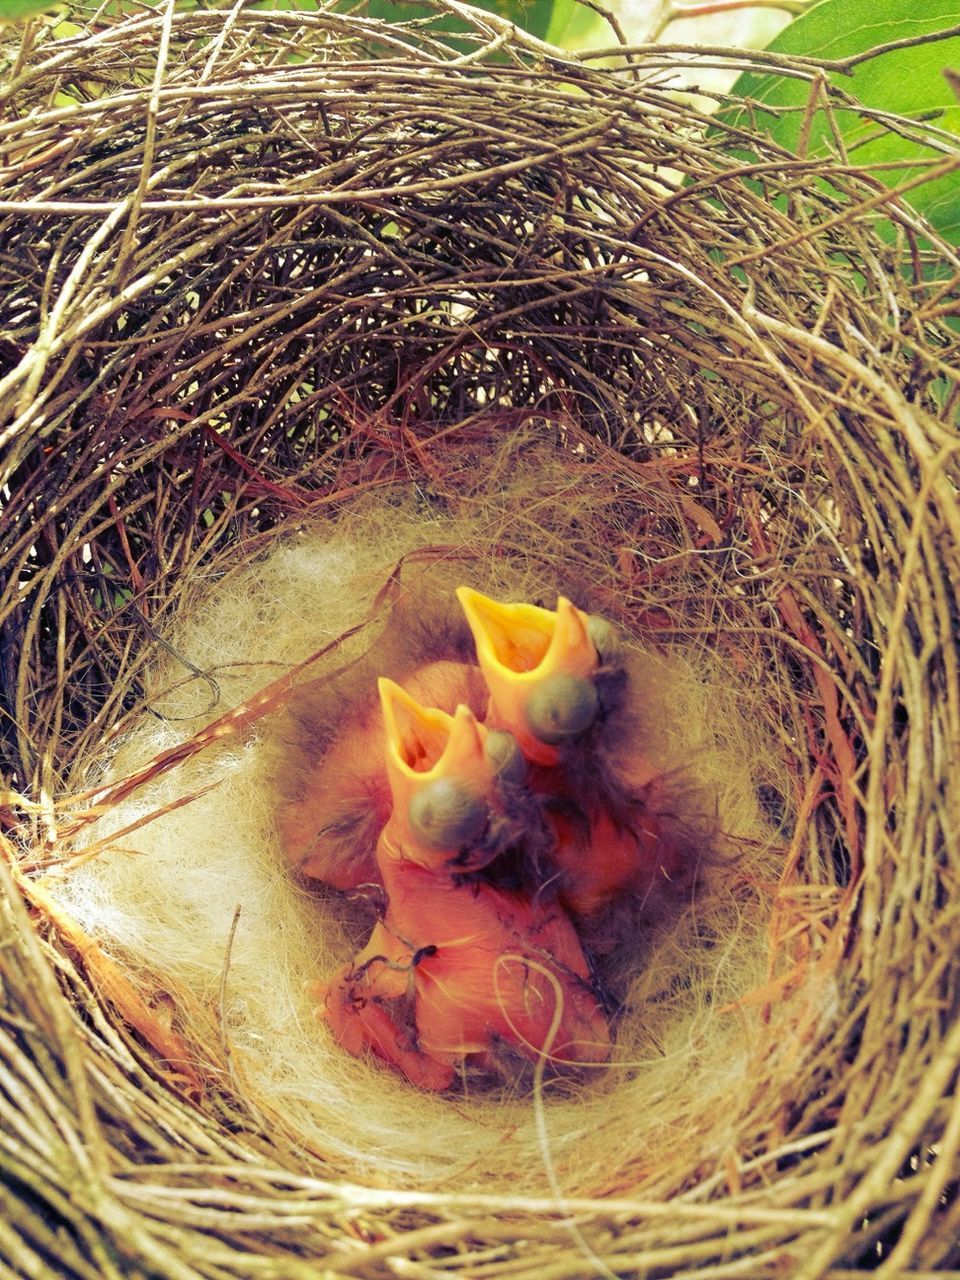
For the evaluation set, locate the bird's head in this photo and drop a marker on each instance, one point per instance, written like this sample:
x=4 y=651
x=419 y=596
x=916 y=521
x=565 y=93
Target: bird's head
x=540 y=666
x=444 y=773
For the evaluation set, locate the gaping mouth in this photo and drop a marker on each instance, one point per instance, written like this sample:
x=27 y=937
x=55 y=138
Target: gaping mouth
x=514 y=636
x=539 y=666
x=440 y=774
x=415 y=736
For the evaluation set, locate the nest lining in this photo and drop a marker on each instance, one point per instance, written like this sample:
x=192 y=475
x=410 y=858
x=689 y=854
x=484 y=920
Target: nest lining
x=326 y=279
x=166 y=898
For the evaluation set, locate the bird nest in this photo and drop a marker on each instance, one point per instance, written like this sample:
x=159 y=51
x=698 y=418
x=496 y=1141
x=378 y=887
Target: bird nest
x=277 y=284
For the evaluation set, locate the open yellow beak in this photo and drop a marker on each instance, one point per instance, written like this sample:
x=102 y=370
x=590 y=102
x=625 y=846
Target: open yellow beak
x=441 y=777
x=539 y=666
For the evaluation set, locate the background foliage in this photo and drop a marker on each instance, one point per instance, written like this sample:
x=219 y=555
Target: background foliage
x=909 y=80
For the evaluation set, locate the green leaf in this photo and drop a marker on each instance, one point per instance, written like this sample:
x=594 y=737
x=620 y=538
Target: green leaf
x=572 y=25
x=907 y=81
x=17 y=10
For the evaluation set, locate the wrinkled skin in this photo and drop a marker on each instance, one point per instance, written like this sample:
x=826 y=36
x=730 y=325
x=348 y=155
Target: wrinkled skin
x=608 y=820
x=455 y=971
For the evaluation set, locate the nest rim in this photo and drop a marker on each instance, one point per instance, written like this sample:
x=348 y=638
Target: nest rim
x=861 y=373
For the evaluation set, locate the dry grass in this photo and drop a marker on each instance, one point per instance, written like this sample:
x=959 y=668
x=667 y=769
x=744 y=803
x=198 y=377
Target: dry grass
x=253 y=266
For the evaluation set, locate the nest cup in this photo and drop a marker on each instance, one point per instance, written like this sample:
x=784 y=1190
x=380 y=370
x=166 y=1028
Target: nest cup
x=276 y=280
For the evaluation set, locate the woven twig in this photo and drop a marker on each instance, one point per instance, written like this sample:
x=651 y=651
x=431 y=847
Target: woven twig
x=254 y=265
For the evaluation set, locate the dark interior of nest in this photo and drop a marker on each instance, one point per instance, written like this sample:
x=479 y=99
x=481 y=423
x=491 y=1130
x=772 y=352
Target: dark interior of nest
x=268 y=440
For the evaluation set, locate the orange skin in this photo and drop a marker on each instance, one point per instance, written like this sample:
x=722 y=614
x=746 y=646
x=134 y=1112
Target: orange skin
x=616 y=844
x=499 y=969
x=455 y=971
x=604 y=855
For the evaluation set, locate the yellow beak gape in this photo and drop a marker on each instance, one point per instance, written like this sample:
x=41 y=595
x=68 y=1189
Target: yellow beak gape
x=539 y=666
x=442 y=770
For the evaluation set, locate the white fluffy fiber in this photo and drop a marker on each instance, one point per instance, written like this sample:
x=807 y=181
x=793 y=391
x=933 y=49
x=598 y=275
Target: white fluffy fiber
x=164 y=902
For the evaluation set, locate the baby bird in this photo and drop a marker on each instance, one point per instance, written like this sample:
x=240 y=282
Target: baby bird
x=330 y=827
x=334 y=794
x=560 y=682
x=459 y=972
